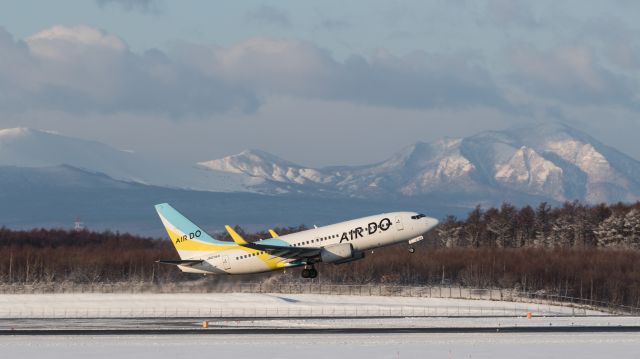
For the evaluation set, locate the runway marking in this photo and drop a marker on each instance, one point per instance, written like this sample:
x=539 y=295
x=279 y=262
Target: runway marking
x=277 y=331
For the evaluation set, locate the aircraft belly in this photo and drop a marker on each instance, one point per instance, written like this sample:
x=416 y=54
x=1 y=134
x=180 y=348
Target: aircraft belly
x=254 y=265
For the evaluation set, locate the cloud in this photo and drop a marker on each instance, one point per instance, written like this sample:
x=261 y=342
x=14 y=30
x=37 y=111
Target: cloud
x=298 y=68
x=143 y=6
x=614 y=40
x=83 y=69
x=269 y=15
x=335 y=24
x=511 y=13
x=570 y=74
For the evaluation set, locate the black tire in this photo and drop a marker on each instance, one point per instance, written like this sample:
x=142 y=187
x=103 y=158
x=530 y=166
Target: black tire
x=306 y=273
x=313 y=273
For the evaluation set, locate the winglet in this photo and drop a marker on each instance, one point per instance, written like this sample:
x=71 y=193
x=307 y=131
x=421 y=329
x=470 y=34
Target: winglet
x=235 y=236
x=273 y=233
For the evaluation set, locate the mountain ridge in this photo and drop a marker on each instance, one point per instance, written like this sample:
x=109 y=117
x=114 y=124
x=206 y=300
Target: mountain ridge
x=550 y=161
x=46 y=181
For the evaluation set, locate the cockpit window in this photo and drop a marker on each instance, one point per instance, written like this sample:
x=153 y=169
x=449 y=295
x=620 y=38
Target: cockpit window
x=418 y=216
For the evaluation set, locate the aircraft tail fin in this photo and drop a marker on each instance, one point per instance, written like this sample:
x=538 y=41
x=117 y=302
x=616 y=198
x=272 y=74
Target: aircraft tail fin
x=189 y=239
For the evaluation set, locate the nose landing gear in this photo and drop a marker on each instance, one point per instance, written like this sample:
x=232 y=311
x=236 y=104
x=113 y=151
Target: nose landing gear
x=413 y=241
x=309 y=272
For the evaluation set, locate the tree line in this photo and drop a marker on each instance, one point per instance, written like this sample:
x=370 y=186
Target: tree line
x=571 y=225
x=574 y=250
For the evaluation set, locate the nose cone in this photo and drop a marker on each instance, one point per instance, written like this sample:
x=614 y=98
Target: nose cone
x=430 y=223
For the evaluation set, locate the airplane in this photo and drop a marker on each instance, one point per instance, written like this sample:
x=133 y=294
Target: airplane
x=337 y=243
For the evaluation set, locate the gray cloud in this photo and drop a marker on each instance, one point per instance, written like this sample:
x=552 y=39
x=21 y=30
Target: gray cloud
x=269 y=15
x=418 y=80
x=614 y=40
x=81 y=69
x=571 y=75
x=144 y=6
x=335 y=24
x=511 y=13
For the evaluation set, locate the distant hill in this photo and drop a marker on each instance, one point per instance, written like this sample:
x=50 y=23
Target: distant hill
x=54 y=196
x=47 y=179
x=24 y=147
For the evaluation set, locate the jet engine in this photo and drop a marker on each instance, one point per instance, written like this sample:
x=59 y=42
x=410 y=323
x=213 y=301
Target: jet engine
x=340 y=253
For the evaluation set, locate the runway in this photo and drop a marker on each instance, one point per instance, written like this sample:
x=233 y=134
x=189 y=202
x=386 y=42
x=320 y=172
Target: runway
x=406 y=337
x=325 y=344
x=301 y=325
x=294 y=331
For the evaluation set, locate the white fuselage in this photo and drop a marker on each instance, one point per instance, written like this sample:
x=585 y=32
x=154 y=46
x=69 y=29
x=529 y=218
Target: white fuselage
x=363 y=234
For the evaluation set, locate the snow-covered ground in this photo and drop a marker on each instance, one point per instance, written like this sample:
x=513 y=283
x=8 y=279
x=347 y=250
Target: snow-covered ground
x=584 y=346
x=21 y=312
x=250 y=305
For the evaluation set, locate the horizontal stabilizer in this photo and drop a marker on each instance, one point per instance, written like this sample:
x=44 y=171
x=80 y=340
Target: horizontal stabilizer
x=185 y=262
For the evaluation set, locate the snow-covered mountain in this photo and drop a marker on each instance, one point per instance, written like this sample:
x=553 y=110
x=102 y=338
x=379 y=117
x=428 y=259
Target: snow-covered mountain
x=47 y=179
x=24 y=147
x=525 y=164
x=539 y=161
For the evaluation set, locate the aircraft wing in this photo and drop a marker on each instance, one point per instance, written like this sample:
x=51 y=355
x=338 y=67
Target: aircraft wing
x=285 y=251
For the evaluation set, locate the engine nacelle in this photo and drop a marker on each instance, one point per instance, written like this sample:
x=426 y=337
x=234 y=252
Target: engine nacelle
x=356 y=256
x=340 y=253
x=336 y=252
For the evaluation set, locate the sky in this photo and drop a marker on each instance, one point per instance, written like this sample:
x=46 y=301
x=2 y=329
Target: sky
x=316 y=82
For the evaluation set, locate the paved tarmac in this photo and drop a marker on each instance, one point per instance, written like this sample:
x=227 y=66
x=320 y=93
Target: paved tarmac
x=159 y=326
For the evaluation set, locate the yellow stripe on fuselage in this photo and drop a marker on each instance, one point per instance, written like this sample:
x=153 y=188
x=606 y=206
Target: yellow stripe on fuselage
x=199 y=246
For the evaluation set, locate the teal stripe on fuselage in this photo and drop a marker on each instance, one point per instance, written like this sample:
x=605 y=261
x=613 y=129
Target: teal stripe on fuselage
x=274 y=242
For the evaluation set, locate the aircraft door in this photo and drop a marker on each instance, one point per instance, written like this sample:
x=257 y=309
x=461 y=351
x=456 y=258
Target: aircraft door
x=398 y=223
x=225 y=263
